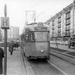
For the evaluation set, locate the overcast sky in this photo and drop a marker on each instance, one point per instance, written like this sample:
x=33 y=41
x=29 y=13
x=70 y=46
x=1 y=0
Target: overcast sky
x=16 y=10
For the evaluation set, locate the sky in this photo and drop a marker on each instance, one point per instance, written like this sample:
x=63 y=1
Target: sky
x=44 y=9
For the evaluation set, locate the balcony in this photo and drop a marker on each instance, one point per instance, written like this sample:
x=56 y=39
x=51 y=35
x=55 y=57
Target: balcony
x=67 y=33
x=52 y=28
x=67 y=18
x=52 y=32
x=59 y=26
x=67 y=28
x=52 y=24
x=68 y=22
x=59 y=30
x=68 y=15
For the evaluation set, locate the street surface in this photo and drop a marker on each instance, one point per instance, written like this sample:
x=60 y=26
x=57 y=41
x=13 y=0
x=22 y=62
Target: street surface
x=65 y=66
x=38 y=67
x=55 y=66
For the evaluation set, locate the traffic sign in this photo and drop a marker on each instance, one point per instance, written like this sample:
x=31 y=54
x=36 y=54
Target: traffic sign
x=5 y=22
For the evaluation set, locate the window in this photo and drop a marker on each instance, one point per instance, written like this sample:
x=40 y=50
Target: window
x=67 y=33
x=59 y=19
x=59 y=34
x=59 y=25
x=59 y=29
x=68 y=15
x=68 y=21
x=52 y=27
x=27 y=37
x=52 y=31
x=68 y=28
x=32 y=39
x=41 y=36
x=53 y=23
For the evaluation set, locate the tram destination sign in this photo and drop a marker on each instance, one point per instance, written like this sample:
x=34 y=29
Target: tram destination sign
x=40 y=28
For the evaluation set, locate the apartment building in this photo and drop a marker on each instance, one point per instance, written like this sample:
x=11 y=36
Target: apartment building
x=62 y=25
x=12 y=33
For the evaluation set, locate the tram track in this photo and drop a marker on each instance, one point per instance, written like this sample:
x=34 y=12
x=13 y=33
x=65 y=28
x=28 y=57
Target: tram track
x=46 y=68
x=31 y=68
x=57 y=67
x=63 y=55
x=40 y=68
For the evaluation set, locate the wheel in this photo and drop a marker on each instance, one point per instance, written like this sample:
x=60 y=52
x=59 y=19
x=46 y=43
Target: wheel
x=48 y=58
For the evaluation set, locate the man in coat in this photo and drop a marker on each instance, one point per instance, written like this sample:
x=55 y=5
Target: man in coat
x=1 y=58
x=11 y=45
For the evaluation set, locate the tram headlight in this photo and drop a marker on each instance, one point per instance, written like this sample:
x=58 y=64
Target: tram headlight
x=42 y=50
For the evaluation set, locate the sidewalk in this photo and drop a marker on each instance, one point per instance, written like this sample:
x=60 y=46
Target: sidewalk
x=15 y=64
x=64 y=47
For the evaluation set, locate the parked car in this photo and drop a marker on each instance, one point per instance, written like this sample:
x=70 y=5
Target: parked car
x=71 y=42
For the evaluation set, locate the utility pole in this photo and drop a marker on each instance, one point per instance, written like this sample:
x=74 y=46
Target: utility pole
x=5 y=26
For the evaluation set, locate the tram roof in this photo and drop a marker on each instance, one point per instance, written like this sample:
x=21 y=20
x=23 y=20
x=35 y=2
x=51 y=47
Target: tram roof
x=31 y=26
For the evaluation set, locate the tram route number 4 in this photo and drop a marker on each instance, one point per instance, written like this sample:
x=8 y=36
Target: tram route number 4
x=5 y=22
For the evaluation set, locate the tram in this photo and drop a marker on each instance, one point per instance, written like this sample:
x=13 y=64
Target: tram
x=35 y=41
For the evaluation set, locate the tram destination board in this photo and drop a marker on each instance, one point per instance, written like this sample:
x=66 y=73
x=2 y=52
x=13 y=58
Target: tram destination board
x=40 y=28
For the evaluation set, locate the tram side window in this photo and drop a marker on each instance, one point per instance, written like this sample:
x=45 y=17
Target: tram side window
x=27 y=37
x=32 y=37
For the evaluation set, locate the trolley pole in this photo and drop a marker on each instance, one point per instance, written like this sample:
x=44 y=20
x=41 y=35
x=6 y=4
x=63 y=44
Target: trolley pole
x=5 y=26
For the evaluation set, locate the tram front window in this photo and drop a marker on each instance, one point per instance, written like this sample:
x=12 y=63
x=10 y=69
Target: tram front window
x=41 y=36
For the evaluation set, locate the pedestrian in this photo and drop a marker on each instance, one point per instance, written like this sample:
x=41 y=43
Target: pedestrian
x=11 y=45
x=1 y=59
x=56 y=42
x=16 y=44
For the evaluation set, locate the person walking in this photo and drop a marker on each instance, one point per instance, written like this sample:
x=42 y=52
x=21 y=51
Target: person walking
x=11 y=44
x=1 y=59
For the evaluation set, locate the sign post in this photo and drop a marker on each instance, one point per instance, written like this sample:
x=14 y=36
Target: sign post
x=5 y=26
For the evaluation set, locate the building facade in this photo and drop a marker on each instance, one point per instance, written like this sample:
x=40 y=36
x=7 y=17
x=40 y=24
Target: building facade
x=12 y=33
x=1 y=34
x=62 y=25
